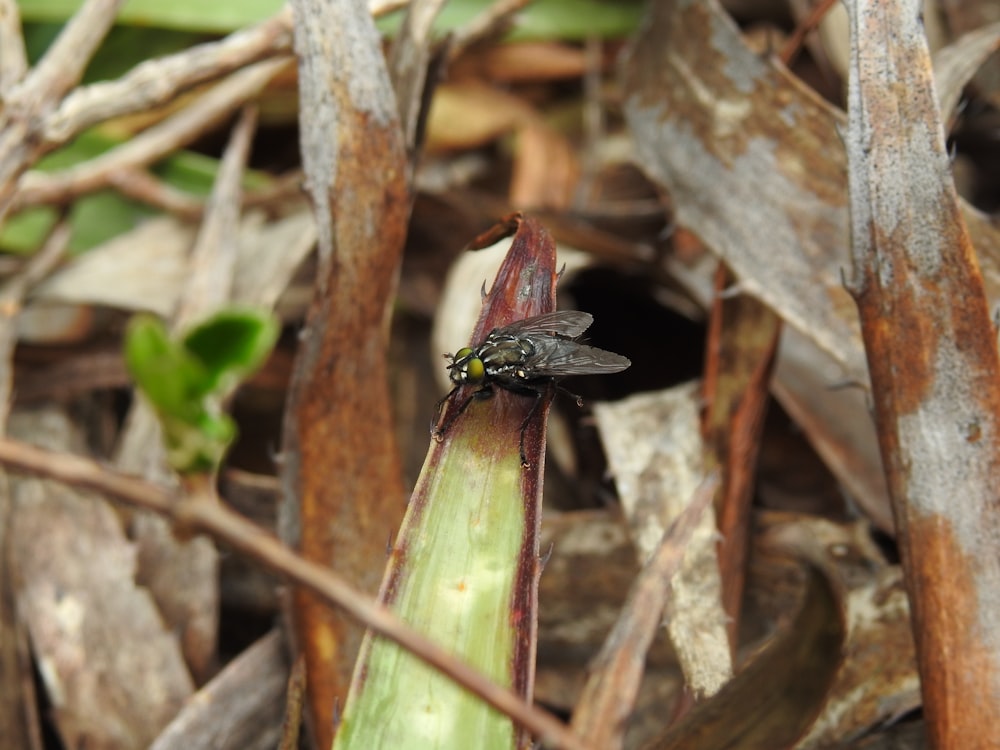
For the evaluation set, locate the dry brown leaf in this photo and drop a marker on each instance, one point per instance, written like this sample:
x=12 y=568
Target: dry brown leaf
x=546 y=169
x=469 y=115
x=522 y=62
x=114 y=674
x=773 y=699
x=742 y=342
x=654 y=448
x=754 y=164
x=240 y=709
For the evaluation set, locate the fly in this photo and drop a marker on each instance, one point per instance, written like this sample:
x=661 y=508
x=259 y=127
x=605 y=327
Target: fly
x=527 y=357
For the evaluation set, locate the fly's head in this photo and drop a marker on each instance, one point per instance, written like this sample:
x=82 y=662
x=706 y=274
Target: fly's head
x=466 y=367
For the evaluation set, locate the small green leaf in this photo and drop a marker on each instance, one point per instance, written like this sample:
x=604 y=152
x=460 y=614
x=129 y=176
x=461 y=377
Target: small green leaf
x=231 y=344
x=171 y=378
x=187 y=379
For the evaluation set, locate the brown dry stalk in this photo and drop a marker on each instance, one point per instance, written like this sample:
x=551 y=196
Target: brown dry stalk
x=935 y=370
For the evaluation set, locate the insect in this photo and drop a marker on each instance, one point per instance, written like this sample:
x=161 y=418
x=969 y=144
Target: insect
x=527 y=357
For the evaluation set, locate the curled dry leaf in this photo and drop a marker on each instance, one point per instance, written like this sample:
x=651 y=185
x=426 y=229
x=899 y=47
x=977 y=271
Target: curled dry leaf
x=877 y=680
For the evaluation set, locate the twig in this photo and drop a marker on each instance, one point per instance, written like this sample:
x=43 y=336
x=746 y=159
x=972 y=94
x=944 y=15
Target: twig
x=609 y=695
x=62 y=66
x=214 y=256
x=408 y=61
x=140 y=185
x=27 y=103
x=794 y=43
x=11 y=299
x=294 y=705
x=157 y=82
x=13 y=59
x=152 y=145
x=281 y=189
x=246 y=537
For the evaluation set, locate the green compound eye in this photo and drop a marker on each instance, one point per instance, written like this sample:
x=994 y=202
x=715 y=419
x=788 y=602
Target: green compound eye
x=475 y=370
x=463 y=352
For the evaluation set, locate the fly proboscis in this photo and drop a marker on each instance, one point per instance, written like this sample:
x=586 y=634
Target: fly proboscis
x=527 y=357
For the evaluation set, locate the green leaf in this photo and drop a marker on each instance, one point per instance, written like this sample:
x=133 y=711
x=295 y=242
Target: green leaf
x=572 y=20
x=171 y=378
x=186 y=379
x=455 y=579
x=544 y=19
x=231 y=344
x=221 y=16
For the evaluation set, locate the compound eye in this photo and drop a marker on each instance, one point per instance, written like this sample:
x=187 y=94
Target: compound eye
x=475 y=370
x=462 y=353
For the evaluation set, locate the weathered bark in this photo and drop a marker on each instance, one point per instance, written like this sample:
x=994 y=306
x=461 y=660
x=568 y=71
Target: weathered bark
x=935 y=372
x=344 y=493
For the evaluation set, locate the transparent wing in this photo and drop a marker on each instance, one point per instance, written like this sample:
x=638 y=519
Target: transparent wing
x=568 y=323
x=556 y=358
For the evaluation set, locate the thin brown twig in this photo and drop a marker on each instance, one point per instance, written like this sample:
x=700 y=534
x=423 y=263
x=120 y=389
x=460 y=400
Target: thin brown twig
x=152 y=145
x=608 y=698
x=28 y=102
x=294 y=705
x=247 y=538
x=794 y=43
x=12 y=296
x=157 y=82
x=141 y=186
x=408 y=61
x=281 y=189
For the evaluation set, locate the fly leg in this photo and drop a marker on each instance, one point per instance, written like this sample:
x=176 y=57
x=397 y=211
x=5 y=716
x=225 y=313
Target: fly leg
x=538 y=393
x=437 y=413
x=438 y=431
x=578 y=399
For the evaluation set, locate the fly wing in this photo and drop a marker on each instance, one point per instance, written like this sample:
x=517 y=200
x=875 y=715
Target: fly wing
x=568 y=323
x=558 y=358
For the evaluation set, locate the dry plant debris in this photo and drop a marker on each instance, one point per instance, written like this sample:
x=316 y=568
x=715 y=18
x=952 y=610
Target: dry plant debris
x=782 y=213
